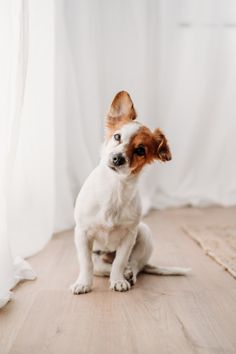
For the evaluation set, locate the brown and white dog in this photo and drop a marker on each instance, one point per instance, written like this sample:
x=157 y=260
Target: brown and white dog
x=109 y=237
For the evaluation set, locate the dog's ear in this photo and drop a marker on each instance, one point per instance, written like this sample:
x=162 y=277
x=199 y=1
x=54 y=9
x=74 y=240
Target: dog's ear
x=163 y=151
x=121 y=111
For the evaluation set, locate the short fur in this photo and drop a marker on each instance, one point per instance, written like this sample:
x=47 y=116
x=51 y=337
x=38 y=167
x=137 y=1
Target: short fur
x=109 y=237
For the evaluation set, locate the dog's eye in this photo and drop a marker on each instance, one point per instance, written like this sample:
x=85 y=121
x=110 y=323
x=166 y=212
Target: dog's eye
x=117 y=137
x=140 y=151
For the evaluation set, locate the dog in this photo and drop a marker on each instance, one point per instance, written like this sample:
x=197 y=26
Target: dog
x=109 y=237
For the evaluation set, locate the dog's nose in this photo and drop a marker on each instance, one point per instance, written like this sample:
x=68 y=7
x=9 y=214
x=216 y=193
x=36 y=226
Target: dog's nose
x=118 y=160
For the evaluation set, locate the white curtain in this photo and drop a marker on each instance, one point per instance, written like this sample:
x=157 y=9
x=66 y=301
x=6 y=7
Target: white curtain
x=27 y=136
x=61 y=65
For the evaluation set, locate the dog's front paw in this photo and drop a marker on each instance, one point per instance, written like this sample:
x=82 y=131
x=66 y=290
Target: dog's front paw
x=130 y=276
x=79 y=288
x=120 y=285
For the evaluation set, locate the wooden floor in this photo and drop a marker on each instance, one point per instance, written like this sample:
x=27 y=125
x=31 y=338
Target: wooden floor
x=193 y=314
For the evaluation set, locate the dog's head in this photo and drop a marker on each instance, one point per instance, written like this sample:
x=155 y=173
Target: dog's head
x=129 y=145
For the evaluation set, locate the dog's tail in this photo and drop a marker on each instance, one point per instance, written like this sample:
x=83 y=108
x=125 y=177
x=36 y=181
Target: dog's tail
x=159 y=270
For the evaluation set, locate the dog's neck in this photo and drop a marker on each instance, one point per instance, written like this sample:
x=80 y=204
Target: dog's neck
x=125 y=186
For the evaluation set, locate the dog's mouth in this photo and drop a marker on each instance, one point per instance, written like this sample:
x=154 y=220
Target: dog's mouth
x=113 y=168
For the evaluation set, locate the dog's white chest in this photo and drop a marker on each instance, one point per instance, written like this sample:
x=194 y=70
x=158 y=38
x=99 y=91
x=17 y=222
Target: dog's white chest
x=113 y=224
x=108 y=239
x=107 y=209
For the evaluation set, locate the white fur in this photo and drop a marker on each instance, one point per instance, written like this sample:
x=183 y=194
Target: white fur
x=107 y=216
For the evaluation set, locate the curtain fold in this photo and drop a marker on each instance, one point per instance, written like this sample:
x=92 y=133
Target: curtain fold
x=11 y=26
x=27 y=137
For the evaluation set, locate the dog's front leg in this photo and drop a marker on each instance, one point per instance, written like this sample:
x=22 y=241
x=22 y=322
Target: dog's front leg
x=84 y=245
x=117 y=279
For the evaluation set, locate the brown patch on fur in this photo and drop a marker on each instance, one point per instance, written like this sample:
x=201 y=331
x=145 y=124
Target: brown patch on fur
x=163 y=150
x=121 y=112
x=155 y=145
x=109 y=257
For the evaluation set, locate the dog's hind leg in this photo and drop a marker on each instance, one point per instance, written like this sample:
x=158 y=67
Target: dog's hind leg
x=140 y=254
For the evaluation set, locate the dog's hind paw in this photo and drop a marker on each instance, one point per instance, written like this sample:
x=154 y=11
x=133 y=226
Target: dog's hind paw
x=129 y=275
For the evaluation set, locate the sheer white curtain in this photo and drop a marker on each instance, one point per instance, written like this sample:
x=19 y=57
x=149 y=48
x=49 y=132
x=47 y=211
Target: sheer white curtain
x=61 y=64
x=27 y=136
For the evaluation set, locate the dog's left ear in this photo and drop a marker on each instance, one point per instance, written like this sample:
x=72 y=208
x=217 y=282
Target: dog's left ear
x=121 y=111
x=163 y=151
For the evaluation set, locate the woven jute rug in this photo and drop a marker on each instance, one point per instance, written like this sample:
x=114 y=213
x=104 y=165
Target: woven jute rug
x=219 y=242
